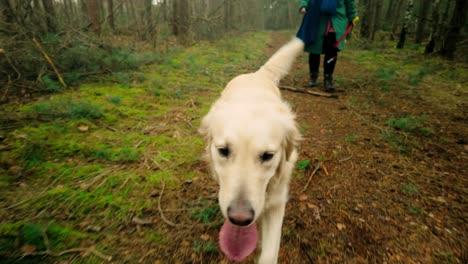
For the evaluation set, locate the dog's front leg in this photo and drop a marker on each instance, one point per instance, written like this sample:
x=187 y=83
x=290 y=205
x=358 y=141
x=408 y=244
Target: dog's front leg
x=272 y=221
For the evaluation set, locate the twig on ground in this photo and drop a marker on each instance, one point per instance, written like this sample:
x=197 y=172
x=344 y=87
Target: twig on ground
x=306 y=91
x=310 y=177
x=345 y=159
x=49 y=252
x=325 y=170
x=163 y=186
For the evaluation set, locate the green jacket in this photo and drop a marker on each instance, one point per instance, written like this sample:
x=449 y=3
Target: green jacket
x=345 y=13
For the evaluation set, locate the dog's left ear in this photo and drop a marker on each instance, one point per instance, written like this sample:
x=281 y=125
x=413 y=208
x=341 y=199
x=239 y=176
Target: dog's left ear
x=291 y=141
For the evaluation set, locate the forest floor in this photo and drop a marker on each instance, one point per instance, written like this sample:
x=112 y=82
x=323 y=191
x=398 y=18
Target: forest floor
x=113 y=172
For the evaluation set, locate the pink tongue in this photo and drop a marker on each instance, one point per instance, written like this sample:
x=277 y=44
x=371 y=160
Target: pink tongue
x=237 y=242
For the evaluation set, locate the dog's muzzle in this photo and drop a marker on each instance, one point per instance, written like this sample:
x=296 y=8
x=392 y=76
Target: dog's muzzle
x=241 y=213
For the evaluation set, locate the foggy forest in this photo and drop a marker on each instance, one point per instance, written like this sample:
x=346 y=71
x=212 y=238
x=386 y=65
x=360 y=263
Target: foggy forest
x=101 y=159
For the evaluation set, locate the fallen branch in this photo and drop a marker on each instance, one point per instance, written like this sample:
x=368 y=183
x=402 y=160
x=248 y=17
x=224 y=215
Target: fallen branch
x=86 y=251
x=49 y=60
x=307 y=91
x=310 y=177
x=163 y=185
x=49 y=252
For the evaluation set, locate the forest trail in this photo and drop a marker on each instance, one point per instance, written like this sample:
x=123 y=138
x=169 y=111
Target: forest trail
x=380 y=177
x=362 y=198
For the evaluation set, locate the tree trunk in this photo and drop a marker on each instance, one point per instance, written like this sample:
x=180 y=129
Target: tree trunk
x=84 y=19
x=93 y=13
x=407 y=19
x=8 y=16
x=228 y=15
x=390 y=14
x=110 y=6
x=39 y=17
x=454 y=29
x=422 y=21
x=367 y=23
x=148 y=18
x=50 y=15
x=182 y=23
x=377 y=13
x=435 y=27
x=397 y=17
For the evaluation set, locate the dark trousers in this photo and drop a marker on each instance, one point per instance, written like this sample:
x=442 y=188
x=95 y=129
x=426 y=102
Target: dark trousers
x=331 y=56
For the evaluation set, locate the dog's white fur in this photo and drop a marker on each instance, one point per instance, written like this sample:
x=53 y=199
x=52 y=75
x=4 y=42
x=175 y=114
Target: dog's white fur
x=251 y=119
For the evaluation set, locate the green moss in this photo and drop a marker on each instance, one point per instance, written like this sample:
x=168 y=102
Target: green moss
x=28 y=233
x=105 y=146
x=64 y=108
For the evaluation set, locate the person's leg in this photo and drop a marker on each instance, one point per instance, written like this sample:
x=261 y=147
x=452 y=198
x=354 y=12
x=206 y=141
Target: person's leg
x=331 y=56
x=314 y=64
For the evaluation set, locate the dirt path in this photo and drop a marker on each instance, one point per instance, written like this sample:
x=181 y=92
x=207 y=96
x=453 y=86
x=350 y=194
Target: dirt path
x=366 y=201
x=381 y=176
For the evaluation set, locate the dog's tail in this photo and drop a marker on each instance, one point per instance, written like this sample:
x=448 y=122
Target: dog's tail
x=280 y=63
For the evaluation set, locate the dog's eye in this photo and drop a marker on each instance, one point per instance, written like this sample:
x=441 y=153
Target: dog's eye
x=224 y=152
x=266 y=156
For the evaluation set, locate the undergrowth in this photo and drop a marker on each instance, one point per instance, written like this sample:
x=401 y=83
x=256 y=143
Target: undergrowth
x=82 y=163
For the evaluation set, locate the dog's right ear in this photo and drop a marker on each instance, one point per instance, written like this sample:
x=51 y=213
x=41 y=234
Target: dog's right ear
x=206 y=133
x=292 y=140
x=204 y=129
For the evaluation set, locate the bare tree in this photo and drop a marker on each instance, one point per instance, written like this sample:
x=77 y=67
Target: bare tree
x=110 y=16
x=377 y=11
x=397 y=17
x=453 y=33
x=435 y=27
x=407 y=20
x=6 y=12
x=368 y=21
x=422 y=20
x=93 y=13
x=50 y=15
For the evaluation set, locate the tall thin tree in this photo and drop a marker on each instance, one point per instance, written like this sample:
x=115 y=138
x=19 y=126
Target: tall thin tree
x=50 y=15
x=406 y=22
x=454 y=30
x=435 y=27
x=94 y=14
x=110 y=16
x=424 y=8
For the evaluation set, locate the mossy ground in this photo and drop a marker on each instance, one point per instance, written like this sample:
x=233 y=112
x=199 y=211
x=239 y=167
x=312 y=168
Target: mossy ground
x=90 y=160
x=116 y=166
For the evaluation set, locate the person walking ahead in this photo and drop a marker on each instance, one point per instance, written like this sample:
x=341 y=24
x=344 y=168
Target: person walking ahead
x=324 y=23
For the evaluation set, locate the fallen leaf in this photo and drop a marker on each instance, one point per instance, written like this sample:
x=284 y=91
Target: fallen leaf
x=439 y=199
x=303 y=197
x=28 y=249
x=340 y=226
x=205 y=237
x=83 y=128
x=315 y=210
x=140 y=221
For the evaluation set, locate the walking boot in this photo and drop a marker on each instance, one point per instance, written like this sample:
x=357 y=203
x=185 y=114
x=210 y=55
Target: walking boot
x=313 y=79
x=328 y=84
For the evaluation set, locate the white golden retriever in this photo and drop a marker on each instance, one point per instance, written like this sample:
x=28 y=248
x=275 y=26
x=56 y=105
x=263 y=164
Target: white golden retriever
x=251 y=139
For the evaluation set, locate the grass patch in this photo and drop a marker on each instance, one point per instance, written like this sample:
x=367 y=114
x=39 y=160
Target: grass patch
x=410 y=124
x=409 y=189
x=208 y=247
x=99 y=153
x=19 y=234
x=303 y=164
x=350 y=139
x=207 y=215
x=65 y=108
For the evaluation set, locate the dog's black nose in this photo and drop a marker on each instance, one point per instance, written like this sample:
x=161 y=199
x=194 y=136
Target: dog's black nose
x=241 y=213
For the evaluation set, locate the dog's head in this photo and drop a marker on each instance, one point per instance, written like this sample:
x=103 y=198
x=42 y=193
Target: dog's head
x=247 y=145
